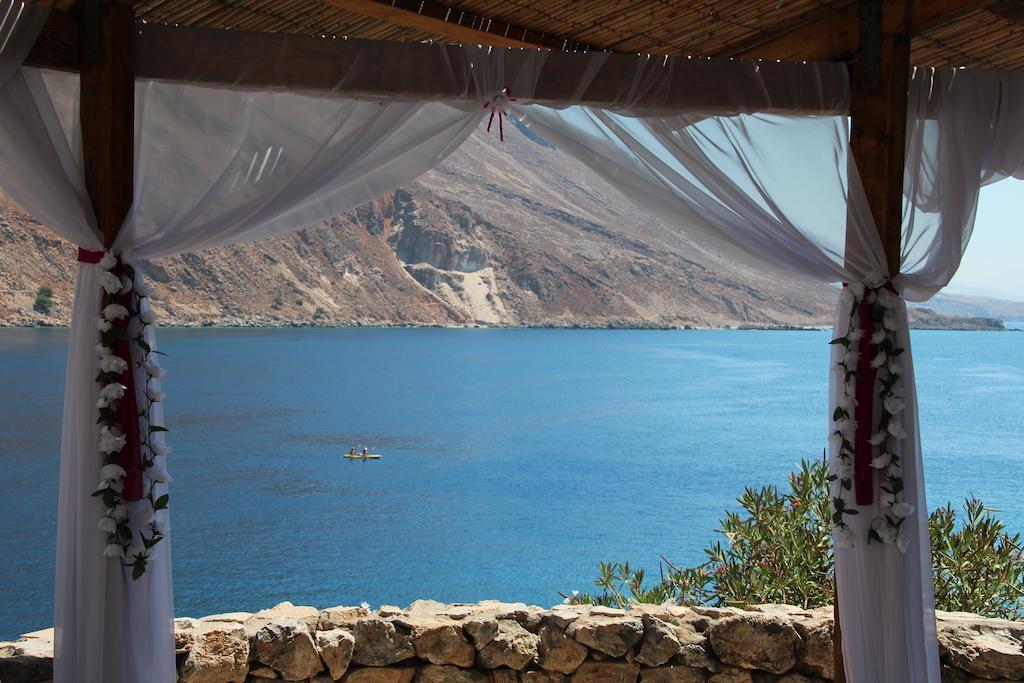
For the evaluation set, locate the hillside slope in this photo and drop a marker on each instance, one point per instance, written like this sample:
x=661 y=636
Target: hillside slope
x=511 y=234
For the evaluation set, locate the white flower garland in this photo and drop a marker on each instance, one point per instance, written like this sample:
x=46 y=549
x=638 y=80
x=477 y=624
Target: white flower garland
x=132 y=527
x=886 y=528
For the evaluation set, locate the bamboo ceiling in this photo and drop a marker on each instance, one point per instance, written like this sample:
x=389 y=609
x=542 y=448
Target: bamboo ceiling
x=982 y=35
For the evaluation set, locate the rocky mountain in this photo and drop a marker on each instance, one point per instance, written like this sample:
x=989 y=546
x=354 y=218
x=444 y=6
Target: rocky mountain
x=501 y=234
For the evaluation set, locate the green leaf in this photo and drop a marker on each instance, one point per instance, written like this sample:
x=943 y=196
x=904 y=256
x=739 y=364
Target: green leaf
x=138 y=569
x=158 y=428
x=161 y=502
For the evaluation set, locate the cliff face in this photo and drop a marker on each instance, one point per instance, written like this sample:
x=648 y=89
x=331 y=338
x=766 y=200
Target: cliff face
x=511 y=233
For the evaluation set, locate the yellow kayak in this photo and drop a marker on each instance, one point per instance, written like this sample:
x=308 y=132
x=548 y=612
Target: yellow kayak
x=360 y=456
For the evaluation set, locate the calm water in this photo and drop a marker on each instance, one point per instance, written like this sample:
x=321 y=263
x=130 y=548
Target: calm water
x=514 y=462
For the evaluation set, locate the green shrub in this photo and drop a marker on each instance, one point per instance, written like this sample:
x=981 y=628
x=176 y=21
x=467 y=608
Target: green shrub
x=44 y=300
x=778 y=549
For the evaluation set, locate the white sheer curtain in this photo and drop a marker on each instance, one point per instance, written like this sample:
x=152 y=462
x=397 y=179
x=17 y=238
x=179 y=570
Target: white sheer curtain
x=216 y=166
x=213 y=167
x=783 y=193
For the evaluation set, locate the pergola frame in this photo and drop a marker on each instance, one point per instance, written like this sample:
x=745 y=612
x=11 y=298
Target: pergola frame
x=103 y=42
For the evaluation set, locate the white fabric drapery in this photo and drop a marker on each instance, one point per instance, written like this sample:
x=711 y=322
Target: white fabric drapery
x=218 y=166
x=742 y=184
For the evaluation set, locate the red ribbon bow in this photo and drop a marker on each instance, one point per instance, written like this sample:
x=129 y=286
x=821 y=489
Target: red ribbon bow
x=130 y=456
x=492 y=103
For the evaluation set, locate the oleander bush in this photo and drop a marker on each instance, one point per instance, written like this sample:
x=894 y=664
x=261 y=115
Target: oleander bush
x=778 y=549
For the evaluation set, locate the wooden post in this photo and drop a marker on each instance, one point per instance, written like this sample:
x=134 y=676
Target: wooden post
x=878 y=112
x=107 y=109
x=880 y=78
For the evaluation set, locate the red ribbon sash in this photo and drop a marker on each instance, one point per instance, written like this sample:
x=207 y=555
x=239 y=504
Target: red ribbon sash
x=864 y=413
x=130 y=456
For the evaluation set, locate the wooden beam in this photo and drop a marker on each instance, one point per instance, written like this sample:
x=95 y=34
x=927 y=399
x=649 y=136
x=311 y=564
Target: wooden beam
x=107 y=110
x=57 y=44
x=835 y=36
x=450 y=24
x=878 y=114
x=335 y=66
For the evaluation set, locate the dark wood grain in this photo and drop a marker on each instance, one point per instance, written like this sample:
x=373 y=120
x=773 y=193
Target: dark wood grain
x=107 y=110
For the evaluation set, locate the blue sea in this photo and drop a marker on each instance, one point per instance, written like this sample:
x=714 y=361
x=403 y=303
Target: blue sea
x=514 y=460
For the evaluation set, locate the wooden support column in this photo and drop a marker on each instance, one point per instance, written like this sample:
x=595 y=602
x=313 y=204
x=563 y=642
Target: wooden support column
x=107 y=109
x=880 y=78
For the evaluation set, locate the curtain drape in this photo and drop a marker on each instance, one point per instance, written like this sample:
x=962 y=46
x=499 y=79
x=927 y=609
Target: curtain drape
x=216 y=166
x=784 y=195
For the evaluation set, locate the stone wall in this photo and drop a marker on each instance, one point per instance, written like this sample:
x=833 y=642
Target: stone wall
x=492 y=642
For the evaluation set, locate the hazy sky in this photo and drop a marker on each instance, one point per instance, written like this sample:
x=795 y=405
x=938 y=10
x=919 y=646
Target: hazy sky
x=994 y=262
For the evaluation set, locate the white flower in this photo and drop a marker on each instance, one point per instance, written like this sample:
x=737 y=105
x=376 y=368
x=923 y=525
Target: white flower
x=126 y=284
x=154 y=394
x=843 y=536
x=894 y=471
x=159 y=449
x=143 y=515
x=160 y=526
x=112 y=472
x=855 y=335
x=110 y=283
x=887 y=299
x=893 y=405
x=111 y=441
x=902 y=542
x=111 y=484
x=897 y=430
x=894 y=367
x=101 y=324
x=878 y=439
x=102 y=350
x=136 y=549
x=115 y=312
x=143 y=289
x=107 y=525
x=851 y=359
x=879 y=360
x=878 y=337
x=113 y=391
x=902 y=510
x=120 y=512
x=890 y=321
x=884 y=531
x=113 y=550
x=886 y=498
x=857 y=289
x=882 y=460
x=845 y=470
x=874 y=280
x=148 y=316
x=113 y=364
x=154 y=370
x=159 y=475
x=102 y=403
x=108 y=261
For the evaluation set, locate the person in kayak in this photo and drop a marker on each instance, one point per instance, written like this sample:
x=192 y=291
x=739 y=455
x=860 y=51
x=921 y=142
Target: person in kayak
x=365 y=452
x=351 y=451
